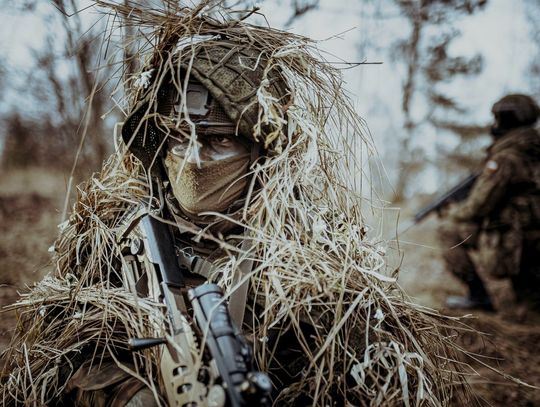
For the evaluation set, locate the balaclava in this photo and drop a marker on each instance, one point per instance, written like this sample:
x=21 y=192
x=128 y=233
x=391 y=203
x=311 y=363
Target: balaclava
x=209 y=186
x=204 y=185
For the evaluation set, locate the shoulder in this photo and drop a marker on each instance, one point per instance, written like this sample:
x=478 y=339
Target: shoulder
x=523 y=141
x=515 y=148
x=502 y=161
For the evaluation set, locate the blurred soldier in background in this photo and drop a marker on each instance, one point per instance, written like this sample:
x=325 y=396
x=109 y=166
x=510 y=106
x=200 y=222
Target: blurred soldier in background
x=500 y=219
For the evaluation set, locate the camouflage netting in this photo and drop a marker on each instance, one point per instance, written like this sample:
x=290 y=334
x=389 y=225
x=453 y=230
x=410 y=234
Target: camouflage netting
x=315 y=261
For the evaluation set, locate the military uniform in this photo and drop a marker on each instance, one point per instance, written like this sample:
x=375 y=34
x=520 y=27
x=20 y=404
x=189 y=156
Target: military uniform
x=500 y=219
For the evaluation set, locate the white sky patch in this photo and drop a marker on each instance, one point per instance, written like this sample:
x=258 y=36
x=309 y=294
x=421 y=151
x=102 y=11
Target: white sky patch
x=21 y=33
x=501 y=34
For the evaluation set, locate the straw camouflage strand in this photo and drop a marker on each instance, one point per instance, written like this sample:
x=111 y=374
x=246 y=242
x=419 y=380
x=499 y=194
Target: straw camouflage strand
x=315 y=261
x=80 y=307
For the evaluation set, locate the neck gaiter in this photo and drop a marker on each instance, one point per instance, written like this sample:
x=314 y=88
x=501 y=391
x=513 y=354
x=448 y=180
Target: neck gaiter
x=215 y=186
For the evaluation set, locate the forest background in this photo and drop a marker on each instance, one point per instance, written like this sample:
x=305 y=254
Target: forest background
x=422 y=73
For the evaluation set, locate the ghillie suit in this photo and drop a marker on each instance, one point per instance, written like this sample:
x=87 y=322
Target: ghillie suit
x=317 y=279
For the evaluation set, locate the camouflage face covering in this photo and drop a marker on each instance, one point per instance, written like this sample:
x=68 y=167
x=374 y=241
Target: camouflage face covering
x=210 y=186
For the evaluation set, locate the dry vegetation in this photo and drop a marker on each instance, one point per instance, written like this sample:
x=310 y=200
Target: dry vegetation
x=307 y=234
x=314 y=263
x=30 y=206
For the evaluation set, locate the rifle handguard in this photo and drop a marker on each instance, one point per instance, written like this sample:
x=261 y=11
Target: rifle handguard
x=244 y=385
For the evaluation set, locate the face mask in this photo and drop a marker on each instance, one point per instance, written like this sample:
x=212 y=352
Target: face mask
x=213 y=186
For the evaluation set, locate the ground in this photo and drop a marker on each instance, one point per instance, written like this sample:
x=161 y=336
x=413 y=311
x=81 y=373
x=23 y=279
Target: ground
x=511 y=336
x=31 y=205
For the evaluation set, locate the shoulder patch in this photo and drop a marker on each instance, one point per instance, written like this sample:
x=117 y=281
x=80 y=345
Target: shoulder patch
x=492 y=166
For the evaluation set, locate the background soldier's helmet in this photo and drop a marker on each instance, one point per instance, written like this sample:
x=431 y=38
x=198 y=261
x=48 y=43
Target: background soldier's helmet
x=515 y=111
x=230 y=72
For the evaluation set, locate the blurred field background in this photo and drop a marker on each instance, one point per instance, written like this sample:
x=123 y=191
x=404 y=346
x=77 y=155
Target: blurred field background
x=427 y=108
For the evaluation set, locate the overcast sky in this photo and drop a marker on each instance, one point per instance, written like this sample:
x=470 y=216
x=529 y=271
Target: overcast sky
x=500 y=32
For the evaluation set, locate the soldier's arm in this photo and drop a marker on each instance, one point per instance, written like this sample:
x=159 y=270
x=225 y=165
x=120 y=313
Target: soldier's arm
x=490 y=188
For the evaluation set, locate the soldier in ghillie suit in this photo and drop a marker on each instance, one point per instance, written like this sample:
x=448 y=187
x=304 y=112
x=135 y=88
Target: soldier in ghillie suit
x=240 y=142
x=500 y=218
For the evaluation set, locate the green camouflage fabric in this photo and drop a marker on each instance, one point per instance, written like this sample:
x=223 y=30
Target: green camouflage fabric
x=501 y=217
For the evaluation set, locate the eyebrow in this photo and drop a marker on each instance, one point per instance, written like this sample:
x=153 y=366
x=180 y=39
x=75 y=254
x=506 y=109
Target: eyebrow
x=186 y=140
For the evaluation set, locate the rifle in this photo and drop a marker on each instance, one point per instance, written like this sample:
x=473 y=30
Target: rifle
x=456 y=194
x=221 y=371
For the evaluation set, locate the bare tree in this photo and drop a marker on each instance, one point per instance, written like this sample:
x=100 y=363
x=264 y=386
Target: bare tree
x=428 y=63
x=84 y=49
x=73 y=91
x=533 y=14
x=301 y=8
x=425 y=56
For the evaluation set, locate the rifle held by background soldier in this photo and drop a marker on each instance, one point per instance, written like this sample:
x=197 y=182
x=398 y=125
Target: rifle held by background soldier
x=456 y=194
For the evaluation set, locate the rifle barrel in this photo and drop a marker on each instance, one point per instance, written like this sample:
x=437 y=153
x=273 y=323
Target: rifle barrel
x=456 y=194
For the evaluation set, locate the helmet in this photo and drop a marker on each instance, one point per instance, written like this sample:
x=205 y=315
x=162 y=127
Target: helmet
x=514 y=111
x=231 y=73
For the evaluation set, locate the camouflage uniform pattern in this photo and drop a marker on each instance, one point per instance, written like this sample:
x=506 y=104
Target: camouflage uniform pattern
x=501 y=217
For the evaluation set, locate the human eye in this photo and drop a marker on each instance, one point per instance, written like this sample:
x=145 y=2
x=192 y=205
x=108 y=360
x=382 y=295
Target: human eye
x=221 y=141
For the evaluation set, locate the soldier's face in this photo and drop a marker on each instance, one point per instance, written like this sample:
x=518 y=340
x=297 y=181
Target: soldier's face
x=208 y=148
x=208 y=174
x=217 y=141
